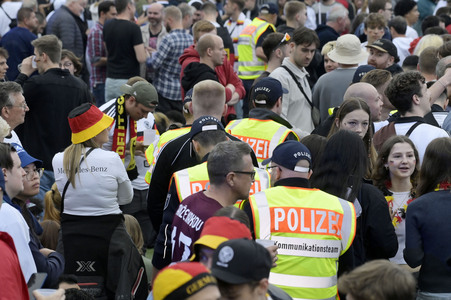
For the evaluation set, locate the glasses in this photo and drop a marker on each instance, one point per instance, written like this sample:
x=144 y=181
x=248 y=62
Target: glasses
x=248 y=173
x=29 y=174
x=23 y=105
x=286 y=38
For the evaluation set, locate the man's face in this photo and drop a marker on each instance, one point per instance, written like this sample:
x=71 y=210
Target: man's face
x=303 y=17
x=374 y=101
x=3 y=67
x=218 y=52
x=425 y=99
x=154 y=14
x=136 y=110
x=111 y=14
x=16 y=112
x=302 y=55
x=30 y=181
x=38 y=59
x=388 y=11
x=375 y=33
x=32 y=22
x=229 y=8
x=14 y=177
x=379 y=59
x=77 y=7
x=412 y=16
x=197 y=16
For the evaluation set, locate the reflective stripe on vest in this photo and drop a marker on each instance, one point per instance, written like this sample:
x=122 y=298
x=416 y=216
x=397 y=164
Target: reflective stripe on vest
x=195 y=179
x=250 y=66
x=312 y=229
x=256 y=133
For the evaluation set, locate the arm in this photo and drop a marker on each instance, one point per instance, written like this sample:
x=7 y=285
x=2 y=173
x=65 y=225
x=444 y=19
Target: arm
x=141 y=54
x=163 y=51
x=260 y=54
x=440 y=85
x=47 y=261
x=413 y=253
x=96 y=49
x=124 y=185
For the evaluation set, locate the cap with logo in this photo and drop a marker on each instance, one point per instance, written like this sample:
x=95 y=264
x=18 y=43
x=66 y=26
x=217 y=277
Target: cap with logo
x=269 y=8
x=271 y=88
x=205 y=123
x=219 y=229
x=144 y=93
x=25 y=158
x=288 y=154
x=385 y=46
x=181 y=281
x=241 y=261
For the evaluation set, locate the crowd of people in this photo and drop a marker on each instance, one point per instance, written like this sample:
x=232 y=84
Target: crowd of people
x=225 y=150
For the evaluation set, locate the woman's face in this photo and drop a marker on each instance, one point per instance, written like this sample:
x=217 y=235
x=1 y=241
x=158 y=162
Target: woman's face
x=67 y=64
x=356 y=121
x=30 y=181
x=102 y=137
x=329 y=64
x=401 y=161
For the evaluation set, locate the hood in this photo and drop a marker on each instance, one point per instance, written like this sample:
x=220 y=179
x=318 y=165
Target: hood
x=195 y=72
x=189 y=53
x=266 y=114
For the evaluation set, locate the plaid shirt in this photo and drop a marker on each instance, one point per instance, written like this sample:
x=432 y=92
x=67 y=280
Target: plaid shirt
x=96 y=50
x=165 y=62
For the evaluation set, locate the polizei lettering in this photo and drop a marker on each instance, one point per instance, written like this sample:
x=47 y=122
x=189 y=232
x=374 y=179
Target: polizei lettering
x=193 y=221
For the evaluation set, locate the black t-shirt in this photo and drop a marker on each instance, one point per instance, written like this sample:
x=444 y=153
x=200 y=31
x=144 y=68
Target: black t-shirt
x=120 y=37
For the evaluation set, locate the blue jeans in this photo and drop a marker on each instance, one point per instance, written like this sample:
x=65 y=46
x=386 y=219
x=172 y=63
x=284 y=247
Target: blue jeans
x=113 y=88
x=98 y=90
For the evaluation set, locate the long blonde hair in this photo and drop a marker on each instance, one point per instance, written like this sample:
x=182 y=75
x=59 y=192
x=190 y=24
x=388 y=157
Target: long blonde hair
x=52 y=204
x=71 y=158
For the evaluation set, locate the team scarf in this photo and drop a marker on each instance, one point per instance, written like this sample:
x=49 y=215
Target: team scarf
x=119 y=137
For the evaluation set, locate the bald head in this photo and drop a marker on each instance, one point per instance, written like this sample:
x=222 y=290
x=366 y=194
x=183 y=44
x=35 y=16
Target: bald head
x=208 y=99
x=371 y=96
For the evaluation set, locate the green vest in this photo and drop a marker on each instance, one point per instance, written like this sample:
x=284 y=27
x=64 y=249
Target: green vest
x=312 y=229
x=262 y=135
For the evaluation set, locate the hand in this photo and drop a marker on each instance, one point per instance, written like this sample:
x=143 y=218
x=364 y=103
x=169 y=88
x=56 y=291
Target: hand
x=141 y=20
x=58 y=295
x=151 y=50
x=273 y=252
x=26 y=66
x=46 y=252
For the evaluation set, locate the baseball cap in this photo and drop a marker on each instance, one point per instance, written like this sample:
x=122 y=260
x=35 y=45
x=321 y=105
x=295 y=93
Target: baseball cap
x=241 y=261
x=360 y=72
x=271 y=88
x=288 y=154
x=200 y=125
x=269 y=8
x=144 y=93
x=181 y=280
x=219 y=229
x=385 y=46
x=25 y=158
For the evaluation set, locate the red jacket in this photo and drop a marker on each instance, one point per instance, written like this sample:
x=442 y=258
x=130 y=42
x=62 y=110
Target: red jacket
x=225 y=74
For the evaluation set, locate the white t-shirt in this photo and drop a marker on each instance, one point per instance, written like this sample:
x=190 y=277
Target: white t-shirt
x=11 y=8
x=12 y=222
x=13 y=139
x=420 y=136
x=102 y=184
x=402 y=45
x=412 y=33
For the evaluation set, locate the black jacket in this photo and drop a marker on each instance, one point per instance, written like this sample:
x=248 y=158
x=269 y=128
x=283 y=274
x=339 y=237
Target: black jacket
x=196 y=72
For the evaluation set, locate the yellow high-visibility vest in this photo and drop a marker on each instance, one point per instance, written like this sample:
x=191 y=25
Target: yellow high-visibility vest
x=250 y=66
x=312 y=229
x=262 y=135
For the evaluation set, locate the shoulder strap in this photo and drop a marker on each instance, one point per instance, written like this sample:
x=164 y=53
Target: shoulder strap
x=298 y=84
x=1 y=6
x=412 y=128
x=68 y=182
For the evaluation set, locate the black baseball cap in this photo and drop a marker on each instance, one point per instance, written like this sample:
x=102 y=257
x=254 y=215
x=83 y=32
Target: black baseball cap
x=241 y=261
x=205 y=123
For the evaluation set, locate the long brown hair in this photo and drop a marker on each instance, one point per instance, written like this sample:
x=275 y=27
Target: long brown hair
x=381 y=175
x=348 y=106
x=436 y=165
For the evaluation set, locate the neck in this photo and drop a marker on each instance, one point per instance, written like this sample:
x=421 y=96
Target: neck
x=208 y=62
x=235 y=16
x=10 y=193
x=400 y=184
x=343 y=66
x=101 y=21
x=334 y=26
x=414 y=113
x=221 y=194
x=155 y=28
x=429 y=77
x=51 y=66
x=124 y=16
x=210 y=18
x=176 y=26
x=385 y=112
x=292 y=24
x=273 y=64
x=397 y=35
